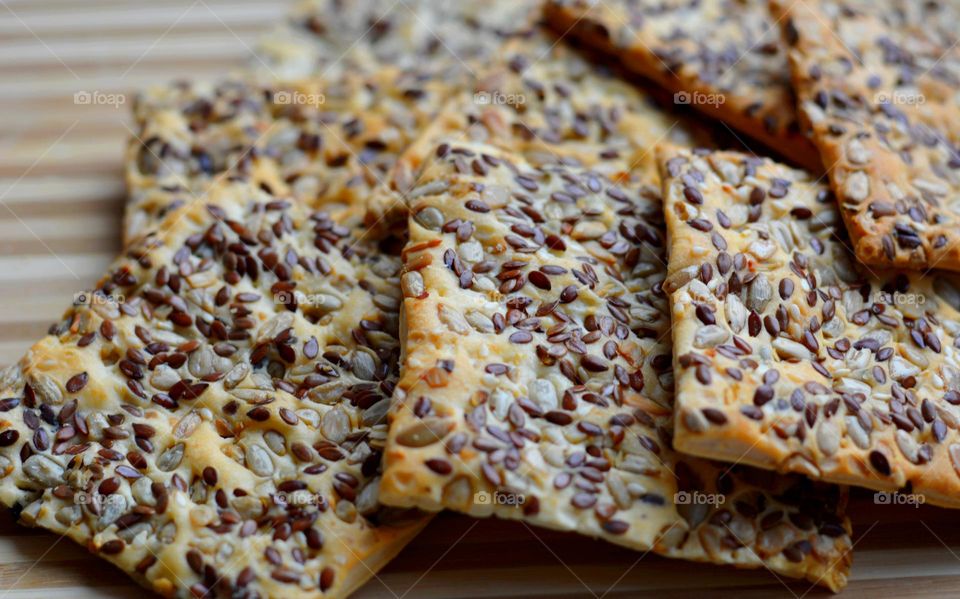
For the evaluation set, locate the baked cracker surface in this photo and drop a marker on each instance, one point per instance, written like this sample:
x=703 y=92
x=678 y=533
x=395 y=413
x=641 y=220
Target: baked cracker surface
x=210 y=418
x=722 y=57
x=876 y=83
x=789 y=354
x=537 y=374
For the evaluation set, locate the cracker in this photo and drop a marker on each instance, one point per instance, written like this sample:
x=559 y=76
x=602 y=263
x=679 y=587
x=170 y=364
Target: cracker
x=450 y=40
x=886 y=121
x=789 y=355
x=211 y=417
x=551 y=104
x=537 y=384
x=723 y=57
x=327 y=142
x=322 y=119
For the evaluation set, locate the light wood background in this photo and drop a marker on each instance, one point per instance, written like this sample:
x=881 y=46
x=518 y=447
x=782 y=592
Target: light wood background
x=61 y=196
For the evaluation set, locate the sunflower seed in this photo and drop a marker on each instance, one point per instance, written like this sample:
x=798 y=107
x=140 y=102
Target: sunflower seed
x=275 y=442
x=908 y=446
x=170 y=459
x=412 y=284
x=335 y=424
x=258 y=460
x=736 y=313
x=453 y=319
x=828 y=437
x=710 y=336
x=187 y=425
x=43 y=470
x=111 y=509
x=480 y=321
x=544 y=394
x=857 y=153
x=789 y=349
x=364 y=365
x=760 y=293
x=430 y=218
x=856 y=186
x=424 y=432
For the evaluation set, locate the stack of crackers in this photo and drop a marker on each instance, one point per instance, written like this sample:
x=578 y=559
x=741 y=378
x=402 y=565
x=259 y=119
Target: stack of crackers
x=428 y=255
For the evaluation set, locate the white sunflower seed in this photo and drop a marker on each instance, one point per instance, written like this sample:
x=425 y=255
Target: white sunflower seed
x=43 y=470
x=710 y=336
x=170 y=459
x=908 y=446
x=828 y=437
x=335 y=425
x=258 y=460
x=453 y=319
x=856 y=186
x=411 y=284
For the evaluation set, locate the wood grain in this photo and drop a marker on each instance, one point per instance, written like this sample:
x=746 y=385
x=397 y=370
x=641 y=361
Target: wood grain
x=61 y=195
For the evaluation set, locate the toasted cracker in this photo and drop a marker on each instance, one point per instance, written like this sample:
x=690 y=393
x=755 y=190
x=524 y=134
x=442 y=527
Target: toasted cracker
x=722 y=57
x=328 y=104
x=211 y=417
x=448 y=40
x=537 y=379
x=877 y=83
x=789 y=354
x=328 y=142
x=553 y=105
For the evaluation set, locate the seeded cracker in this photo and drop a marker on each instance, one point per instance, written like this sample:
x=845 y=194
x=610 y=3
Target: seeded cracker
x=324 y=129
x=723 y=57
x=321 y=143
x=790 y=355
x=211 y=417
x=450 y=40
x=537 y=376
x=549 y=103
x=886 y=121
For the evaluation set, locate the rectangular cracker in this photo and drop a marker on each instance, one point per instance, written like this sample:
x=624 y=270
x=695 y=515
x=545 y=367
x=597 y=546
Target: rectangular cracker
x=452 y=40
x=323 y=142
x=789 y=354
x=536 y=381
x=553 y=105
x=322 y=119
x=886 y=120
x=722 y=56
x=211 y=417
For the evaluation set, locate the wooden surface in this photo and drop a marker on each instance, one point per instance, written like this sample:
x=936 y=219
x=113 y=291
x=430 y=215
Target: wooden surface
x=61 y=195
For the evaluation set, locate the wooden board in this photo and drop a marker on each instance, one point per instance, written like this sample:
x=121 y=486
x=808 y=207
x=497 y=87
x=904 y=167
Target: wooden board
x=61 y=195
